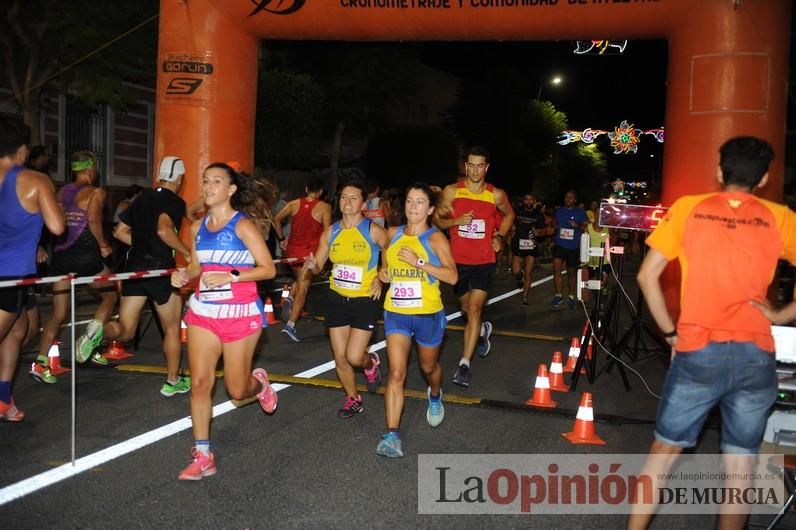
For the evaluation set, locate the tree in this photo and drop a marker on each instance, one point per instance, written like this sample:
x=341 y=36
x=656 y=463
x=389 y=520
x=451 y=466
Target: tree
x=52 y=42
x=359 y=80
x=409 y=154
x=289 y=125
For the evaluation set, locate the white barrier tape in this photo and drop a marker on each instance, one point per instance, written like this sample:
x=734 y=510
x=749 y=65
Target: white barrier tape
x=121 y=276
x=34 y=281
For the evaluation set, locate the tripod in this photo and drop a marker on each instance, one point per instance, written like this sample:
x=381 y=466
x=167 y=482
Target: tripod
x=595 y=327
x=633 y=339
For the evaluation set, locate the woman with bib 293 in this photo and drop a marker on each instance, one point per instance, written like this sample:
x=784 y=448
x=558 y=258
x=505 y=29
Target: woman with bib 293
x=417 y=259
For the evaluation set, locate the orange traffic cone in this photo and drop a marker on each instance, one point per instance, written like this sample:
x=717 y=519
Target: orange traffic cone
x=557 y=374
x=572 y=359
x=270 y=319
x=285 y=294
x=54 y=360
x=583 y=431
x=116 y=351
x=183 y=331
x=589 y=347
x=541 y=390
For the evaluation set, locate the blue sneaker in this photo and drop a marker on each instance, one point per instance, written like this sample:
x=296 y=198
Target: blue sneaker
x=436 y=412
x=557 y=301
x=287 y=305
x=483 y=345
x=462 y=376
x=390 y=446
x=290 y=331
x=571 y=302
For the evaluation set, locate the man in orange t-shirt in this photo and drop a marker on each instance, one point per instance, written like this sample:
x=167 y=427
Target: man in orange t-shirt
x=728 y=245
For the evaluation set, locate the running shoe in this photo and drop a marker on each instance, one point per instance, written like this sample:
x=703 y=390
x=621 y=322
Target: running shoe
x=483 y=345
x=267 y=396
x=201 y=466
x=287 y=305
x=290 y=331
x=182 y=386
x=462 y=376
x=557 y=301
x=42 y=373
x=10 y=412
x=89 y=341
x=373 y=374
x=571 y=302
x=525 y=300
x=390 y=446
x=351 y=407
x=436 y=411
x=98 y=359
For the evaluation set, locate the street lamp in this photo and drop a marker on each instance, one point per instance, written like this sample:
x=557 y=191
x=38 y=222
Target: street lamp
x=555 y=81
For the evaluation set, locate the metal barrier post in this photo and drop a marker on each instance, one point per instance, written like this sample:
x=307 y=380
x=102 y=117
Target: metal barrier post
x=74 y=365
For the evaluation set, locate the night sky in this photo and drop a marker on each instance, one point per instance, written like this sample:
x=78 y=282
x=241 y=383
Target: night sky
x=598 y=91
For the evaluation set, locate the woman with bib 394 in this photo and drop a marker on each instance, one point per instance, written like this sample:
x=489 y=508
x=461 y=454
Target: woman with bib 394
x=225 y=314
x=417 y=259
x=353 y=245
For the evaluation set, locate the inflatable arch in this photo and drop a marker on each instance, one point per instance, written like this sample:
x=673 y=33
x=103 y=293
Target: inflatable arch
x=727 y=72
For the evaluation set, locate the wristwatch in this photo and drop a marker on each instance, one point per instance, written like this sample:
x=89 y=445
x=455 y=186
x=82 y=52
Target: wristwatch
x=235 y=273
x=420 y=262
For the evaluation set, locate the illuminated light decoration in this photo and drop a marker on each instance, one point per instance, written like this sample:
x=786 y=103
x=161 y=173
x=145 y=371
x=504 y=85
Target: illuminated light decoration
x=599 y=47
x=624 y=139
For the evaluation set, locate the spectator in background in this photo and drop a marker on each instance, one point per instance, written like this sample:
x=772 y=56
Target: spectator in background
x=39 y=160
x=373 y=207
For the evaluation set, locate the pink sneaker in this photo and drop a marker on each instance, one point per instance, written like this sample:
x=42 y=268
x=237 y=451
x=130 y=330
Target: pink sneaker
x=266 y=396
x=373 y=374
x=10 y=412
x=201 y=466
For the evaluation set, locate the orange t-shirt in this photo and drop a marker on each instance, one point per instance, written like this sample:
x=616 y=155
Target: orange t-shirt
x=728 y=244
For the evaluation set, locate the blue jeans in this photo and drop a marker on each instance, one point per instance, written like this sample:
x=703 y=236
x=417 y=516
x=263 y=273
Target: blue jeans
x=739 y=376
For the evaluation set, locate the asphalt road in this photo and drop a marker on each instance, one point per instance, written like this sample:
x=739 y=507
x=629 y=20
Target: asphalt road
x=303 y=467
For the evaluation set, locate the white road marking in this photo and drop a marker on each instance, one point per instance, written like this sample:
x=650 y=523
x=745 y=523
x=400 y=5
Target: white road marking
x=65 y=471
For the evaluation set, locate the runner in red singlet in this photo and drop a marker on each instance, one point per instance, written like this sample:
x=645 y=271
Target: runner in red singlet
x=310 y=217
x=475 y=239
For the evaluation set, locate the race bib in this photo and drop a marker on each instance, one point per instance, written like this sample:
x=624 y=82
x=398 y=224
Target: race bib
x=347 y=276
x=475 y=230
x=207 y=294
x=567 y=233
x=406 y=294
x=527 y=244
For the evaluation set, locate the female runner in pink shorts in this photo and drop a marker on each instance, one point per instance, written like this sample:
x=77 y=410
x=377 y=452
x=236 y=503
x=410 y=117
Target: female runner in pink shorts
x=224 y=317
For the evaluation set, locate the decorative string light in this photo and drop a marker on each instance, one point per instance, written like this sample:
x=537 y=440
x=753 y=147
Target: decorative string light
x=624 y=138
x=599 y=47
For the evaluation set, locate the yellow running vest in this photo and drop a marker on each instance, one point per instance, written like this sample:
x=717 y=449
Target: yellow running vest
x=355 y=259
x=412 y=291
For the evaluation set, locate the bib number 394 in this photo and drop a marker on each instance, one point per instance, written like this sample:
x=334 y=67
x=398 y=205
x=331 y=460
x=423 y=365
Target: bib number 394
x=406 y=294
x=347 y=276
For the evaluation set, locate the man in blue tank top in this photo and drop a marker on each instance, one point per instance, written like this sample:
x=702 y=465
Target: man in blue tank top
x=27 y=201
